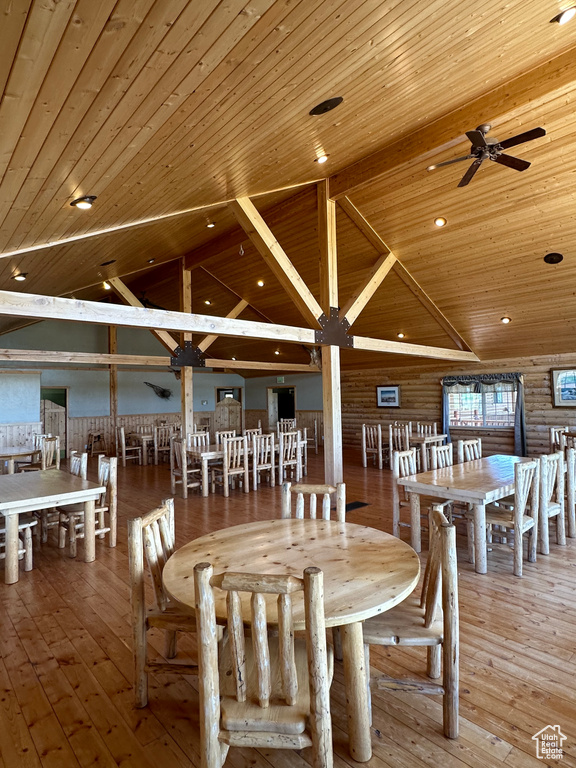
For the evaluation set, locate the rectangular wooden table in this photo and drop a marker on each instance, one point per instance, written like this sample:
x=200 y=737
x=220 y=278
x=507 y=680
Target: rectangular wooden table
x=30 y=491
x=11 y=453
x=477 y=482
x=423 y=442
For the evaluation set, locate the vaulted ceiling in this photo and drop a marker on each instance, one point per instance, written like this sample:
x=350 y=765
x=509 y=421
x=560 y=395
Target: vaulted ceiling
x=168 y=109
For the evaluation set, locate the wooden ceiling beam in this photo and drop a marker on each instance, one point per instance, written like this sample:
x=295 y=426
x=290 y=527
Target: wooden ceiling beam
x=211 y=338
x=555 y=74
x=41 y=307
x=387 y=262
x=122 y=290
x=261 y=366
x=89 y=358
x=273 y=254
x=417 y=350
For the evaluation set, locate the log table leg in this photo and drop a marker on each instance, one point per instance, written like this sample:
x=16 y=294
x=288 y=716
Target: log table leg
x=11 y=550
x=204 y=476
x=89 y=531
x=355 y=683
x=415 y=527
x=480 y=538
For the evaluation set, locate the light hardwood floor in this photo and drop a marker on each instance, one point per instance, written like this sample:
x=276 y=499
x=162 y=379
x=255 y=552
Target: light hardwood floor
x=66 y=659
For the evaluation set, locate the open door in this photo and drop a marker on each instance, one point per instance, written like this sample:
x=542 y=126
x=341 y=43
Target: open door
x=54 y=414
x=281 y=405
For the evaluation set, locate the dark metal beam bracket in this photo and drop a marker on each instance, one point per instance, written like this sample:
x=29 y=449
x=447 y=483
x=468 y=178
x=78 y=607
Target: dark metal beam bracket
x=189 y=356
x=333 y=331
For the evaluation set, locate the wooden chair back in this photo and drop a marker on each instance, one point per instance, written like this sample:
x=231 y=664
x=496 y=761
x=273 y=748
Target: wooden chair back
x=126 y=451
x=526 y=496
x=235 y=453
x=263 y=457
x=312 y=491
x=468 y=450
x=557 y=438
x=78 y=464
x=107 y=505
x=570 y=459
x=312 y=438
x=249 y=433
x=251 y=691
x=144 y=429
x=50 y=453
x=403 y=464
x=38 y=438
x=441 y=456
x=408 y=424
x=181 y=471
x=372 y=443
x=286 y=425
x=198 y=439
x=426 y=428
x=222 y=434
x=289 y=454
x=201 y=427
x=552 y=483
x=398 y=438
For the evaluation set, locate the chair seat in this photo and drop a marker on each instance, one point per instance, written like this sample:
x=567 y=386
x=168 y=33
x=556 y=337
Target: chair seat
x=403 y=625
x=505 y=517
x=278 y=717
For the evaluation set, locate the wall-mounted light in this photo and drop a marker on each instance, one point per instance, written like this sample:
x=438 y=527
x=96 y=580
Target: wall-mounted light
x=83 y=202
x=21 y=276
x=564 y=16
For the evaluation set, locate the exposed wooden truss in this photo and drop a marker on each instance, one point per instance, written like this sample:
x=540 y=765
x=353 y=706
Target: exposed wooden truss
x=207 y=341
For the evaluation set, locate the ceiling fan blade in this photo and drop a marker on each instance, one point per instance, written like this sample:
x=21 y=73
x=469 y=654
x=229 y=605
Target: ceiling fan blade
x=535 y=133
x=477 y=138
x=449 y=162
x=467 y=178
x=512 y=162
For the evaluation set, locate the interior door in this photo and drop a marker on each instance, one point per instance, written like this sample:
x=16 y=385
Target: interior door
x=53 y=418
x=272 y=410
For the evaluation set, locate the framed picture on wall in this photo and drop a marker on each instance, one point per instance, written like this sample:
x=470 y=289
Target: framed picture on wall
x=564 y=388
x=388 y=397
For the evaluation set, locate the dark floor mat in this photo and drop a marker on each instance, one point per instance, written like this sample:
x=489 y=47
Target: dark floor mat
x=356 y=505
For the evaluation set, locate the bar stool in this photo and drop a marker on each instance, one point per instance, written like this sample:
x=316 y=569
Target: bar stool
x=96 y=443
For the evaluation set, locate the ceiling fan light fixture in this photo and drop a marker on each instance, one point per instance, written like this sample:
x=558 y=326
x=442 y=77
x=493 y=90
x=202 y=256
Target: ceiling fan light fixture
x=20 y=277
x=505 y=320
x=564 y=16
x=84 y=203
x=440 y=221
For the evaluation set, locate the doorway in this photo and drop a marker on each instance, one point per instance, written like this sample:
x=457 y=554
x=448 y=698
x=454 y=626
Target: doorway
x=54 y=414
x=281 y=404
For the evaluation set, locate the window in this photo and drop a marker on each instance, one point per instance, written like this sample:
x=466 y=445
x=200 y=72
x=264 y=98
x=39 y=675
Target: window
x=494 y=406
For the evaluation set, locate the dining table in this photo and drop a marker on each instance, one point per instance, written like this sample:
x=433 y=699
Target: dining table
x=29 y=491
x=423 y=443
x=9 y=454
x=143 y=439
x=366 y=572
x=478 y=483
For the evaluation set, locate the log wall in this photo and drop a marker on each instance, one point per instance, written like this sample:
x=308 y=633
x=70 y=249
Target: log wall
x=421 y=399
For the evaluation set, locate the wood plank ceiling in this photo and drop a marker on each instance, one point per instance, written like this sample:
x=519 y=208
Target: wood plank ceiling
x=165 y=106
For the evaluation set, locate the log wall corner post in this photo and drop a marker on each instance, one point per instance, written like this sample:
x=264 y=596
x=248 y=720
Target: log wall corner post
x=331 y=400
x=186 y=376
x=112 y=350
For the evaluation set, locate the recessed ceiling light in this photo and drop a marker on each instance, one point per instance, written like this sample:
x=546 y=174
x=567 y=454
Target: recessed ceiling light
x=207 y=301
x=210 y=225
x=21 y=276
x=276 y=351
x=106 y=285
x=440 y=221
x=321 y=159
x=553 y=258
x=151 y=261
x=83 y=202
x=260 y=283
x=400 y=335
x=106 y=263
x=565 y=16
x=505 y=320
x=326 y=106
x=233 y=358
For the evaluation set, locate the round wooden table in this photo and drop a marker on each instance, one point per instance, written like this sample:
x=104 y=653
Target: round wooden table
x=12 y=453
x=366 y=572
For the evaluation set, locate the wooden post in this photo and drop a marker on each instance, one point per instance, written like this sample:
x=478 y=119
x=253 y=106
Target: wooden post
x=186 y=377
x=113 y=350
x=333 y=470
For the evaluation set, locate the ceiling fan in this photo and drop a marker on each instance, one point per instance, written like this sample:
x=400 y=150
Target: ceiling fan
x=489 y=148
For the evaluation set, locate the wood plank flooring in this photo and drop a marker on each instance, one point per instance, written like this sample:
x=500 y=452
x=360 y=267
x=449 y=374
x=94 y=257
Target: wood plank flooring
x=66 y=659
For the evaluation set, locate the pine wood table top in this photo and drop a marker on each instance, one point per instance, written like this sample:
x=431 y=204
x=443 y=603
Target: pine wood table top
x=14 y=451
x=427 y=439
x=39 y=490
x=479 y=481
x=366 y=571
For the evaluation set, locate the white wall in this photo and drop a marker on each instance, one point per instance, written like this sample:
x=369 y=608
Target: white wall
x=19 y=397
x=308 y=391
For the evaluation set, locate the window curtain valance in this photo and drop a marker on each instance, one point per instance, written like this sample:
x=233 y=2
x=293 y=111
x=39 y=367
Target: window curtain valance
x=479 y=383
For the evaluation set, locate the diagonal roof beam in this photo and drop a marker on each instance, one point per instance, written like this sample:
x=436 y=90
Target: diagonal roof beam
x=380 y=270
x=122 y=290
x=273 y=254
x=211 y=338
x=507 y=98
